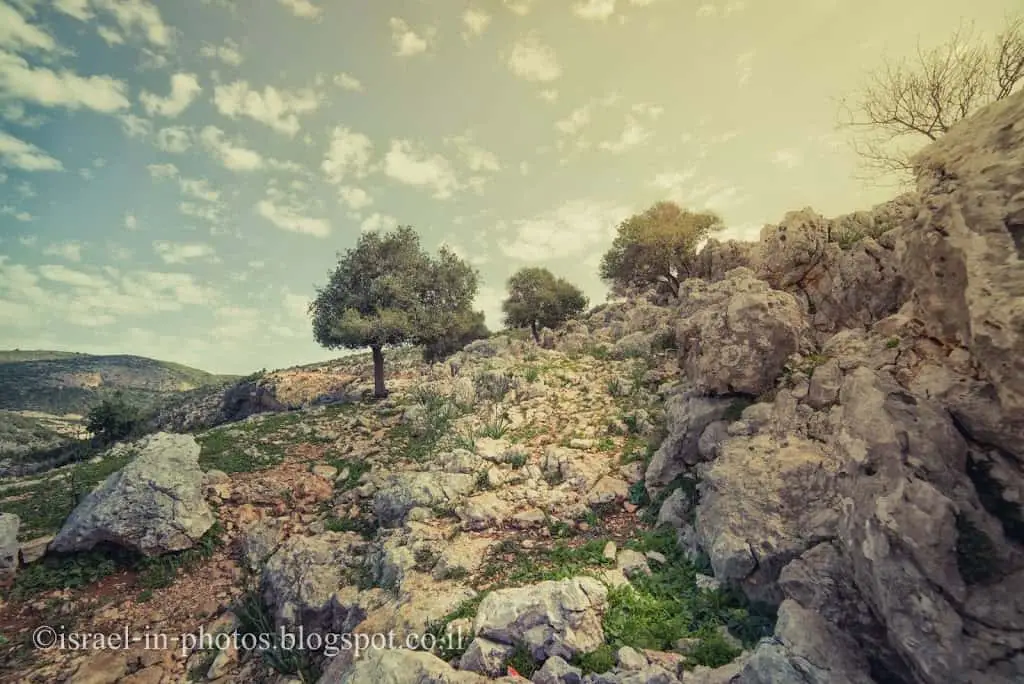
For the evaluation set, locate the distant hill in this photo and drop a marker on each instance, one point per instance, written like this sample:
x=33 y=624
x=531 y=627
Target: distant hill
x=67 y=382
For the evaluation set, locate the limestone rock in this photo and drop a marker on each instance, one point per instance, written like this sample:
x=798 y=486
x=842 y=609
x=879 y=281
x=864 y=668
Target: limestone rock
x=550 y=618
x=404 y=491
x=736 y=335
x=9 y=547
x=687 y=415
x=154 y=504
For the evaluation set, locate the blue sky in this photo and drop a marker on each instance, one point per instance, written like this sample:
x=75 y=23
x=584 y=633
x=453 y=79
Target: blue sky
x=177 y=177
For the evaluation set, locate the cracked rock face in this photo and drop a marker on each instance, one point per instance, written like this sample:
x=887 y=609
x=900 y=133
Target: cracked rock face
x=154 y=505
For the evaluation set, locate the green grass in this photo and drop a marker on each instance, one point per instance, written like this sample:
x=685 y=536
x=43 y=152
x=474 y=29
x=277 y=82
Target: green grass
x=660 y=608
x=43 y=506
x=365 y=527
x=356 y=469
x=73 y=571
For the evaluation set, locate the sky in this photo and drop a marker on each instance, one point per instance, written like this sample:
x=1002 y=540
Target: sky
x=177 y=177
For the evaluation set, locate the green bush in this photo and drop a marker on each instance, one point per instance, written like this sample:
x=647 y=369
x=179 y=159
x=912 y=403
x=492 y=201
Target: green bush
x=113 y=420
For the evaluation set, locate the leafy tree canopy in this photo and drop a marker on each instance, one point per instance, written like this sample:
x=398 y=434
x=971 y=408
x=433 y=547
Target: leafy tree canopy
x=537 y=299
x=657 y=247
x=388 y=291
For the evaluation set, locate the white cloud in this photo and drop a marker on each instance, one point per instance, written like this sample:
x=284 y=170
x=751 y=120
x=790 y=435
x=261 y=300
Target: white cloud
x=279 y=109
x=721 y=8
x=475 y=22
x=520 y=7
x=354 y=198
x=72 y=250
x=406 y=163
x=377 y=221
x=594 y=10
x=198 y=188
x=407 y=42
x=475 y=157
x=226 y=52
x=549 y=95
x=16 y=33
x=174 y=140
x=49 y=88
x=348 y=153
x=711 y=194
x=13 y=212
x=531 y=60
x=291 y=219
x=668 y=180
x=212 y=213
x=347 y=81
x=632 y=136
x=571 y=229
x=131 y=222
x=744 y=67
x=788 y=158
x=232 y=156
x=184 y=90
x=161 y=171
x=109 y=35
x=136 y=126
x=138 y=14
x=302 y=8
x=17 y=154
x=576 y=121
x=79 y=9
x=182 y=252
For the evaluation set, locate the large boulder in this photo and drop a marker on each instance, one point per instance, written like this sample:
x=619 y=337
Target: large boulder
x=736 y=335
x=153 y=505
x=763 y=502
x=397 y=666
x=965 y=256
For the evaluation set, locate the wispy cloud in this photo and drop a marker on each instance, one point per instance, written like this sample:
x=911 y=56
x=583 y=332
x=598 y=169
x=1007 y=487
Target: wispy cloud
x=15 y=153
x=278 y=109
x=532 y=60
x=185 y=89
x=302 y=8
x=408 y=42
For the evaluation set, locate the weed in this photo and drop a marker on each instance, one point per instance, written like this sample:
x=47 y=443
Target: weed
x=255 y=618
x=362 y=526
x=483 y=482
x=606 y=444
x=523 y=661
x=496 y=427
x=892 y=343
x=614 y=387
x=356 y=469
x=425 y=559
x=515 y=460
x=531 y=373
x=464 y=440
x=601 y=660
x=493 y=386
x=448 y=648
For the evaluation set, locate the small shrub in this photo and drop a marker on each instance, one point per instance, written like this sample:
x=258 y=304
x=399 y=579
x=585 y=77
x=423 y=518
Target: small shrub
x=531 y=373
x=892 y=343
x=596 y=662
x=493 y=386
x=516 y=460
x=254 y=617
x=113 y=420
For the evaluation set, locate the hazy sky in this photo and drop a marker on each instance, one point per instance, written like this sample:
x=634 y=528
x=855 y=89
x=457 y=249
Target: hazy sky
x=177 y=176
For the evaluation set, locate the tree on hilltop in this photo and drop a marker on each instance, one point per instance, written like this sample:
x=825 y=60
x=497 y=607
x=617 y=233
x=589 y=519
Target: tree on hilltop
x=657 y=247
x=537 y=299
x=907 y=103
x=387 y=291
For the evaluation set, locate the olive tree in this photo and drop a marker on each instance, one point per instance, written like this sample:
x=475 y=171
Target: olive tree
x=537 y=299
x=657 y=247
x=387 y=291
x=906 y=103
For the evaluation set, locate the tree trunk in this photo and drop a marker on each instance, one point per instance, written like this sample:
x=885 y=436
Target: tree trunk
x=536 y=334
x=378 y=373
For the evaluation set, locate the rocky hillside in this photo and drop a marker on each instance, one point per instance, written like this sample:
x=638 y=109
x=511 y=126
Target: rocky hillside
x=806 y=469
x=62 y=382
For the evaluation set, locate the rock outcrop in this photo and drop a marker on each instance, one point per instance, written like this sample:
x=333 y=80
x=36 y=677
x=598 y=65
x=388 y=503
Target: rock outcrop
x=153 y=505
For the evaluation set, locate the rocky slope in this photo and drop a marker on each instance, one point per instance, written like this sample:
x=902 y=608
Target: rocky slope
x=808 y=469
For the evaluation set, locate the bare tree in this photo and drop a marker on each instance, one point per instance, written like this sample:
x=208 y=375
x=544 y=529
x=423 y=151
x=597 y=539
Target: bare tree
x=909 y=102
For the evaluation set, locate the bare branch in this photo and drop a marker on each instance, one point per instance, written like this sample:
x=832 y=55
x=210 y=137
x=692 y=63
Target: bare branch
x=922 y=97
